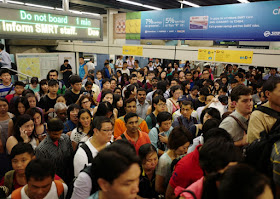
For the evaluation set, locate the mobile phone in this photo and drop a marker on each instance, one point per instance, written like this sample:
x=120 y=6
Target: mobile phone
x=162 y=134
x=85 y=93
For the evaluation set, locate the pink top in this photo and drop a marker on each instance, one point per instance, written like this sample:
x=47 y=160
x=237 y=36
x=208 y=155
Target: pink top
x=99 y=97
x=196 y=188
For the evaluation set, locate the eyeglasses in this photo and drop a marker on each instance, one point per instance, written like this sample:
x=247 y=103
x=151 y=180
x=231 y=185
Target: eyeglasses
x=85 y=102
x=161 y=104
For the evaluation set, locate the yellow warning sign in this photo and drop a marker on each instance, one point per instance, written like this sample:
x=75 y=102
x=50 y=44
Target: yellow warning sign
x=133 y=50
x=206 y=54
x=234 y=56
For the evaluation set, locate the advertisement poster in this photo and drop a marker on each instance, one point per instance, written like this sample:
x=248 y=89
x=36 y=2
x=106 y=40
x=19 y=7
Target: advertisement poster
x=259 y=21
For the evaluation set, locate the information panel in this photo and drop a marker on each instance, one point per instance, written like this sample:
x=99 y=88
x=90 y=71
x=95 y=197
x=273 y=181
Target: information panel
x=23 y=23
x=234 y=56
x=257 y=21
x=206 y=54
x=133 y=50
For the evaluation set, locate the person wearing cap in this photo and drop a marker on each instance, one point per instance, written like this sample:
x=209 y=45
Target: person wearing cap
x=186 y=120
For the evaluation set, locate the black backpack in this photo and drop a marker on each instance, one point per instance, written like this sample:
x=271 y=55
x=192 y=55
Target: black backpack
x=154 y=119
x=86 y=168
x=257 y=154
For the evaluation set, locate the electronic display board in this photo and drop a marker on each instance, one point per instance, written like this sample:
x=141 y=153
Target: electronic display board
x=22 y=22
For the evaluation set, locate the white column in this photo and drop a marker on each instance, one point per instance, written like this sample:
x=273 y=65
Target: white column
x=65 y=5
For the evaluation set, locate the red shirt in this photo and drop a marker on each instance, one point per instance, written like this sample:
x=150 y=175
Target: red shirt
x=9 y=97
x=187 y=170
x=142 y=139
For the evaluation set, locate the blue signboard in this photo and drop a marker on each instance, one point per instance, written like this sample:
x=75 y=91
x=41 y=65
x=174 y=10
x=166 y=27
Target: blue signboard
x=258 y=21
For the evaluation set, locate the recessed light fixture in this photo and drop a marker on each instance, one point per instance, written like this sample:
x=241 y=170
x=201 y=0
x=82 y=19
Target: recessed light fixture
x=243 y=1
x=190 y=4
x=139 y=4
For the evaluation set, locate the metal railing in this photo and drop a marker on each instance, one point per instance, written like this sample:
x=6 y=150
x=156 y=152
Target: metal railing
x=20 y=74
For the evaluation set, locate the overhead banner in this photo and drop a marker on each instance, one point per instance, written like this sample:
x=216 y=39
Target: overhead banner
x=259 y=21
x=43 y=24
x=233 y=56
x=133 y=50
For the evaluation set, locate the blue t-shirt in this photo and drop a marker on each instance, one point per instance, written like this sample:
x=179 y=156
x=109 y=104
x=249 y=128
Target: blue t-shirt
x=94 y=196
x=82 y=71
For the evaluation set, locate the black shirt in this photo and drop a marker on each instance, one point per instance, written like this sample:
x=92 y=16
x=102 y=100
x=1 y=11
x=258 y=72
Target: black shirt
x=67 y=73
x=198 y=103
x=46 y=103
x=71 y=98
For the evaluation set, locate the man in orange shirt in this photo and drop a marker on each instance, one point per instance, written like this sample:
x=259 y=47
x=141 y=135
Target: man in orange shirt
x=132 y=133
x=120 y=127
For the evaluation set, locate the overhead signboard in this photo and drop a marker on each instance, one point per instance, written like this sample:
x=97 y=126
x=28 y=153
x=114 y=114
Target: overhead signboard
x=258 y=21
x=233 y=56
x=23 y=22
x=133 y=50
x=206 y=54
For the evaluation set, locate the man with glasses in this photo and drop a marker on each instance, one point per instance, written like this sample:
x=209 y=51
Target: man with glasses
x=205 y=76
x=102 y=134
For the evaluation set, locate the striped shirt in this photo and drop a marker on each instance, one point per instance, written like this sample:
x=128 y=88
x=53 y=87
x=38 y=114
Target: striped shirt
x=61 y=155
x=4 y=90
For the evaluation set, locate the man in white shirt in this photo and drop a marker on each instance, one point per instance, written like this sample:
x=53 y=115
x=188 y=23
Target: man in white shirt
x=5 y=59
x=151 y=66
x=125 y=69
x=102 y=134
x=90 y=64
x=119 y=62
x=39 y=175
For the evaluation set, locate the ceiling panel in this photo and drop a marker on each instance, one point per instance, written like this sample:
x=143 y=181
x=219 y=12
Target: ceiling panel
x=101 y=6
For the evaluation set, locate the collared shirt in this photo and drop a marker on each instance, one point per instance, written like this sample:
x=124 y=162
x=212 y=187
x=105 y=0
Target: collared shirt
x=259 y=122
x=5 y=59
x=269 y=75
x=153 y=135
x=186 y=122
x=232 y=127
x=149 y=96
x=141 y=110
x=61 y=155
x=143 y=138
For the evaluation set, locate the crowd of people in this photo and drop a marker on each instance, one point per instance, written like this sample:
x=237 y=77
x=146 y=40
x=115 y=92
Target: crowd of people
x=129 y=132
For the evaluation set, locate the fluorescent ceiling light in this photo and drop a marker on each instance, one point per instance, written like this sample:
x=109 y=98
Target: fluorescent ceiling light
x=76 y=12
x=60 y=9
x=39 y=6
x=139 y=4
x=16 y=2
x=243 y=1
x=89 y=13
x=189 y=4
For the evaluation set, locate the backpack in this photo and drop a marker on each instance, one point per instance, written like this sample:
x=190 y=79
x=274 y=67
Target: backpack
x=95 y=186
x=14 y=67
x=59 y=186
x=160 y=145
x=175 y=161
x=8 y=181
x=154 y=119
x=90 y=160
x=257 y=154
